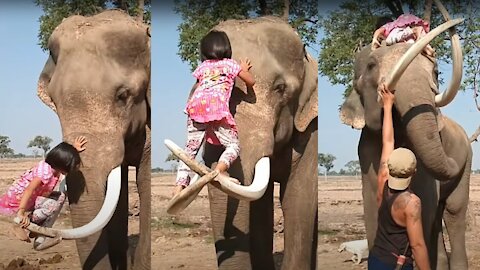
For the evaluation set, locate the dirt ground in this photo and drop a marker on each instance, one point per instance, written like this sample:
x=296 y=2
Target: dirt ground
x=185 y=241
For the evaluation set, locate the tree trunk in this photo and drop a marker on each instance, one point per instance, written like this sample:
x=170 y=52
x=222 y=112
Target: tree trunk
x=475 y=135
x=325 y=175
x=286 y=10
x=395 y=7
x=427 y=12
x=264 y=9
x=140 y=9
x=122 y=4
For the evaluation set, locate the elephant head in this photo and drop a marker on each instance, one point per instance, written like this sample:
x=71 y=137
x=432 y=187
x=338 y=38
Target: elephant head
x=284 y=98
x=413 y=76
x=97 y=80
x=276 y=119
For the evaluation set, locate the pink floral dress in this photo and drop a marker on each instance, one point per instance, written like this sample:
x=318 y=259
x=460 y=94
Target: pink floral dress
x=210 y=100
x=209 y=114
x=9 y=202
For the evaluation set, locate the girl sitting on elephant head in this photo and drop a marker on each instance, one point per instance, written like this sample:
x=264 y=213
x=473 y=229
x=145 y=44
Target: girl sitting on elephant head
x=406 y=28
x=208 y=107
x=31 y=197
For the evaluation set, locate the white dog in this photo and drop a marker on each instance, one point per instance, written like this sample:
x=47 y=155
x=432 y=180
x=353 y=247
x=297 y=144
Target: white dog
x=359 y=249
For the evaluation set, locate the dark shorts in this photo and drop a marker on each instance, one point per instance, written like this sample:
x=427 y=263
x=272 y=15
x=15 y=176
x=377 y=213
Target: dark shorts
x=376 y=264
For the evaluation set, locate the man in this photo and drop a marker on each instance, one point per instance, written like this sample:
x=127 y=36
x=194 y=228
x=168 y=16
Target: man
x=399 y=232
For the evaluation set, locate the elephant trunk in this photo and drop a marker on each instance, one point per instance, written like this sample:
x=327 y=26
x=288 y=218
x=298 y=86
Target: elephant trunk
x=423 y=133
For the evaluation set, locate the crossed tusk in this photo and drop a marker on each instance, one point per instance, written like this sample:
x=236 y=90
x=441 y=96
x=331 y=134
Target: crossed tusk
x=227 y=184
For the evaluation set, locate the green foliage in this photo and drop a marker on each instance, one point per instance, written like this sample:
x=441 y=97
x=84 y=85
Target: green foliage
x=41 y=142
x=56 y=10
x=199 y=16
x=5 y=150
x=353 y=167
x=171 y=157
x=326 y=161
x=351 y=27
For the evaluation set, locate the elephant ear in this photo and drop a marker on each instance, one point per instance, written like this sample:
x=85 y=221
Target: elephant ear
x=352 y=112
x=308 y=101
x=44 y=81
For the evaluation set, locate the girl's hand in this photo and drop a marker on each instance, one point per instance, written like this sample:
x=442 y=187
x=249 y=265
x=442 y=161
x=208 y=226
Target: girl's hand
x=387 y=96
x=25 y=219
x=79 y=143
x=245 y=64
x=375 y=44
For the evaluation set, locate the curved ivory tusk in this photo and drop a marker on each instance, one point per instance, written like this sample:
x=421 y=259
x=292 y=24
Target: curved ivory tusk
x=249 y=193
x=417 y=47
x=186 y=196
x=448 y=95
x=97 y=223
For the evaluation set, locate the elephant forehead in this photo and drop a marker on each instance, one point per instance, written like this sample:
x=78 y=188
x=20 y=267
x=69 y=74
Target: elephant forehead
x=111 y=32
x=254 y=36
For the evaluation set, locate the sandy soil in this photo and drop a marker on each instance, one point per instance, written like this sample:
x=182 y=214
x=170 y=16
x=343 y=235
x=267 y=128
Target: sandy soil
x=16 y=254
x=185 y=241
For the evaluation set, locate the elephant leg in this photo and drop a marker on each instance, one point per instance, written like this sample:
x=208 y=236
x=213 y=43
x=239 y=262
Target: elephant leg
x=230 y=222
x=456 y=227
x=299 y=197
x=143 y=248
x=370 y=209
x=118 y=227
x=442 y=258
x=261 y=231
x=455 y=220
x=369 y=151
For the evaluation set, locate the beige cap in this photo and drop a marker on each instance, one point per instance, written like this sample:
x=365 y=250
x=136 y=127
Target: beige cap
x=402 y=165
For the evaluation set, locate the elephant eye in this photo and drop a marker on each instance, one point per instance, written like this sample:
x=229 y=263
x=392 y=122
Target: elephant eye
x=280 y=86
x=123 y=94
x=371 y=65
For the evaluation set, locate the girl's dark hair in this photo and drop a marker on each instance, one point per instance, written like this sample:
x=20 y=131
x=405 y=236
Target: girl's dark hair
x=383 y=20
x=215 y=46
x=63 y=157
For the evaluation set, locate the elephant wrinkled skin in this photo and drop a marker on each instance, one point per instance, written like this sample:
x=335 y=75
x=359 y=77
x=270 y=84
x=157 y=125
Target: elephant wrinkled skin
x=97 y=80
x=277 y=118
x=441 y=146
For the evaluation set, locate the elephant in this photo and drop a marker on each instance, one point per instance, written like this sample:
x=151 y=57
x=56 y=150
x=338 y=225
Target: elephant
x=277 y=129
x=441 y=146
x=97 y=80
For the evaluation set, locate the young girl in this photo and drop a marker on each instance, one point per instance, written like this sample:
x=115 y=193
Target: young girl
x=33 y=191
x=406 y=28
x=208 y=108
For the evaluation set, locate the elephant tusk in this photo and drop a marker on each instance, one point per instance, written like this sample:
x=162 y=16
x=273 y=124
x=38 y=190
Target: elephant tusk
x=416 y=48
x=448 y=95
x=97 y=223
x=227 y=184
x=182 y=200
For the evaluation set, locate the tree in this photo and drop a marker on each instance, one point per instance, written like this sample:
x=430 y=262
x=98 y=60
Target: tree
x=174 y=159
x=41 y=142
x=56 y=10
x=326 y=161
x=5 y=150
x=353 y=167
x=171 y=157
x=350 y=27
x=201 y=15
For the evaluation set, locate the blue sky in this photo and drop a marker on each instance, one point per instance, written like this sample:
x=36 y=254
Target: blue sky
x=23 y=115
